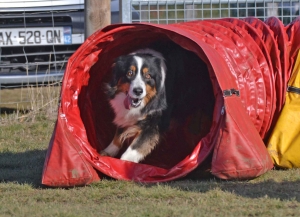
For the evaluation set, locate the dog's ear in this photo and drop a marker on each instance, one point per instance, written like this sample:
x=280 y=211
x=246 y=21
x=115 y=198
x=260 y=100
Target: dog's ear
x=114 y=76
x=159 y=102
x=111 y=87
x=161 y=76
x=109 y=90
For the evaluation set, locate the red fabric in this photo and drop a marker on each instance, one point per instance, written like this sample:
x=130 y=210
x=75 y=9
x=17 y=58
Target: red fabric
x=293 y=32
x=65 y=164
x=243 y=55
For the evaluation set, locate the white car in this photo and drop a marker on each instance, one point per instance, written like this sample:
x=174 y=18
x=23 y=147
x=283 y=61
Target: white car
x=37 y=38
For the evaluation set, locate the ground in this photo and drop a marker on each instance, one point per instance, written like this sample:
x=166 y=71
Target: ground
x=24 y=140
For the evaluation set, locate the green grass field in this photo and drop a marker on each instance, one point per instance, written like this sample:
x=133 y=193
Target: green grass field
x=23 y=146
x=22 y=152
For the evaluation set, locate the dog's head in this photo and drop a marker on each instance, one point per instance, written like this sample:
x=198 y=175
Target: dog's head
x=139 y=81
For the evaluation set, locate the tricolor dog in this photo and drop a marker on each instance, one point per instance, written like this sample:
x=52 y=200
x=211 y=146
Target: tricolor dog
x=138 y=97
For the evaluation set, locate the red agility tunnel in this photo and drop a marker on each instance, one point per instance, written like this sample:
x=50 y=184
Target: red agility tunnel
x=245 y=66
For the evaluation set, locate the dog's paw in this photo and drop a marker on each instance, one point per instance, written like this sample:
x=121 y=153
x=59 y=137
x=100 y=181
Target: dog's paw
x=132 y=155
x=112 y=150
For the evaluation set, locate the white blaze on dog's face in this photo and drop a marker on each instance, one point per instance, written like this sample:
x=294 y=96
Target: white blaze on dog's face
x=137 y=88
x=138 y=78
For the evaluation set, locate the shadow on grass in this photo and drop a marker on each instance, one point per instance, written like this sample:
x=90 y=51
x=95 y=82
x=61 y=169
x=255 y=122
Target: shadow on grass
x=284 y=190
x=25 y=167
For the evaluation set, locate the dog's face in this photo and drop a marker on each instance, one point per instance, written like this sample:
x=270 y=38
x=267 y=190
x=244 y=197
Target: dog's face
x=137 y=79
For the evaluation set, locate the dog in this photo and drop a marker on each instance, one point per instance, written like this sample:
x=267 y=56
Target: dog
x=149 y=102
x=137 y=96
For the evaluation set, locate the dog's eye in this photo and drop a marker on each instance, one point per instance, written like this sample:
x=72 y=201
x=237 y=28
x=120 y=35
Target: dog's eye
x=148 y=76
x=129 y=73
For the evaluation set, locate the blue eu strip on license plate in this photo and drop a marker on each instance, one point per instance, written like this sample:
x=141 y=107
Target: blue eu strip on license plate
x=67 y=35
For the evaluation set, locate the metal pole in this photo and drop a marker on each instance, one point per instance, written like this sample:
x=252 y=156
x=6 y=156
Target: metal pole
x=125 y=11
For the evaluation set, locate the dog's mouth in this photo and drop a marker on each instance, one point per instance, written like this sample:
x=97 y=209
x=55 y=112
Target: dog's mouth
x=135 y=102
x=132 y=102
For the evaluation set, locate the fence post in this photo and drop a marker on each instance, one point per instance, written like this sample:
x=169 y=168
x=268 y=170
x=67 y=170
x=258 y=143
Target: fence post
x=97 y=15
x=125 y=11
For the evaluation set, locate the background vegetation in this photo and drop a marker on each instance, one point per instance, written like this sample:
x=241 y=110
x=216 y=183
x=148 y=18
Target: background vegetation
x=24 y=138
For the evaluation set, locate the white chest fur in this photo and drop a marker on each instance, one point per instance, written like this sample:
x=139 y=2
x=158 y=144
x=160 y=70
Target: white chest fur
x=125 y=117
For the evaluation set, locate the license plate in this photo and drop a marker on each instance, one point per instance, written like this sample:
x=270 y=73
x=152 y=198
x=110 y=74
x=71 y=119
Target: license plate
x=35 y=36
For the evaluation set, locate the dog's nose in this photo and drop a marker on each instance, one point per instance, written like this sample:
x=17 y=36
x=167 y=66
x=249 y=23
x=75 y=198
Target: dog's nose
x=138 y=91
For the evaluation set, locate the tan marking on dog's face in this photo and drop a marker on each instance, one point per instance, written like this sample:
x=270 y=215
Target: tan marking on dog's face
x=151 y=92
x=123 y=87
x=146 y=73
x=145 y=70
x=133 y=68
x=131 y=72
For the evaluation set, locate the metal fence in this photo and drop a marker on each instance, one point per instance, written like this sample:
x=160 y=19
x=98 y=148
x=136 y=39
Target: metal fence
x=33 y=38
x=172 y=11
x=36 y=39
x=33 y=63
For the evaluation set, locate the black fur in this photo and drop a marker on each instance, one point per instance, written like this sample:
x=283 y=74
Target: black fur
x=185 y=90
x=159 y=102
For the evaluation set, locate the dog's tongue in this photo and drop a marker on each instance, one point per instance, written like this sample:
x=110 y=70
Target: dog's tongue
x=127 y=102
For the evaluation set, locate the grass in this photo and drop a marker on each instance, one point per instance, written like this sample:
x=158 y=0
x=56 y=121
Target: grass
x=19 y=104
x=22 y=152
x=23 y=148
